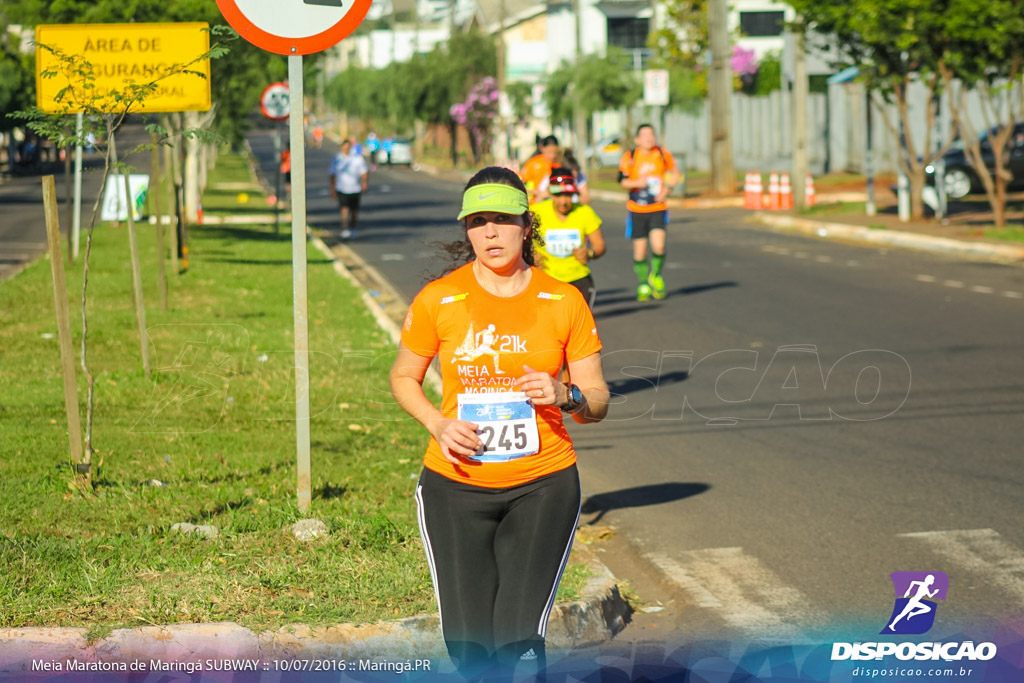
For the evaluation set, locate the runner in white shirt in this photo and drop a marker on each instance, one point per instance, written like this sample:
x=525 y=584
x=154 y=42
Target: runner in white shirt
x=348 y=181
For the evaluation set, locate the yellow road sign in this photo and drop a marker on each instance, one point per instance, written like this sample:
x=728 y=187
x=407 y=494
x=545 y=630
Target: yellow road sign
x=121 y=55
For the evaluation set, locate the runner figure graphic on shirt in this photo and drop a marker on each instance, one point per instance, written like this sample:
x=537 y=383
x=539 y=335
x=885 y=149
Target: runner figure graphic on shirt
x=479 y=344
x=914 y=606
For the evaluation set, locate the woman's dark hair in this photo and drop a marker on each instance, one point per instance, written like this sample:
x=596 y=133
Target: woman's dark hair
x=570 y=160
x=460 y=252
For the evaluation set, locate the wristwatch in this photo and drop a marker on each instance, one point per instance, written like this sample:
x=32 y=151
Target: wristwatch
x=573 y=398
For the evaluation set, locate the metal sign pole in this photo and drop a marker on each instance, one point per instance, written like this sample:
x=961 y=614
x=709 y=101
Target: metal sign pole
x=277 y=177
x=298 y=206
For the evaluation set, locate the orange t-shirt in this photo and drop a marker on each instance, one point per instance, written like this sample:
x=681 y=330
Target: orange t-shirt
x=543 y=326
x=651 y=166
x=534 y=171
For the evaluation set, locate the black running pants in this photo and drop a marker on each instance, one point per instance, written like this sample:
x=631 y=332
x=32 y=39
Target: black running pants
x=496 y=557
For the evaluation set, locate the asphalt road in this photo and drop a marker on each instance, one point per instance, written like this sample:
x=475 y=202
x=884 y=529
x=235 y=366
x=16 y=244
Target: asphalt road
x=797 y=420
x=22 y=222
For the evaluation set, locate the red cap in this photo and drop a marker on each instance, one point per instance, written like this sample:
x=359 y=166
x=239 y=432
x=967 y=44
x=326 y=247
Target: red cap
x=561 y=182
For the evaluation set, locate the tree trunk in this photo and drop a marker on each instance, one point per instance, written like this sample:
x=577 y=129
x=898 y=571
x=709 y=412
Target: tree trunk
x=917 y=181
x=453 y=129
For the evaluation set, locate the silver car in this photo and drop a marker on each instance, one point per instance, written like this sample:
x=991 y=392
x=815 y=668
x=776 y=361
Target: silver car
x=401 y=152
x=607 y=151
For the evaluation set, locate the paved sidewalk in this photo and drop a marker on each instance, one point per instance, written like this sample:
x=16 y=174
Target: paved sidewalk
x=931 y=236
x=592 y=620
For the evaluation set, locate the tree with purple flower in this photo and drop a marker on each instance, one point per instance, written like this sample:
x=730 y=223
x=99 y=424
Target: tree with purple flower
x=478 y=113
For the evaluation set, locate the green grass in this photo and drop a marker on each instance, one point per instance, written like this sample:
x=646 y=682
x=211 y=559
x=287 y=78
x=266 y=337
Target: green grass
x=209 y=438
x=1010 y=234
x=827 y=209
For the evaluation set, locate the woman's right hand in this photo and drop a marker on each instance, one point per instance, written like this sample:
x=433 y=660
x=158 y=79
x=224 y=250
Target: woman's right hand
x=458 y=440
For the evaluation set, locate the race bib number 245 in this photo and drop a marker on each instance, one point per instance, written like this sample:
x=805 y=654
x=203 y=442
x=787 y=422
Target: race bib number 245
x=506 y=423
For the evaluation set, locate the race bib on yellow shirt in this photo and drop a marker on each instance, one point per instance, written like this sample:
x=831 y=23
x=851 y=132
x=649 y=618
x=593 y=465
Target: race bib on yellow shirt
x=506 y=423
x=561 y=242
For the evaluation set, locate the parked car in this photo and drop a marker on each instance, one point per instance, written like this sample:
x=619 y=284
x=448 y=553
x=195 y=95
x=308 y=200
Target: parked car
x=960 y=177
x=608 y=151
x=400 y=152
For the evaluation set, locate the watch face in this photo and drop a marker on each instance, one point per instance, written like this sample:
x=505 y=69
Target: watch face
x=575 y=395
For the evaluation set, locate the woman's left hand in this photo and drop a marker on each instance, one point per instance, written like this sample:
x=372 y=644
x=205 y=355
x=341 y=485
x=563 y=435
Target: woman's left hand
x=541 y=388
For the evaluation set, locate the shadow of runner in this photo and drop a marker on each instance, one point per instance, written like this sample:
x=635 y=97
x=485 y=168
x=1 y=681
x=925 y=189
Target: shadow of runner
x=639 y=496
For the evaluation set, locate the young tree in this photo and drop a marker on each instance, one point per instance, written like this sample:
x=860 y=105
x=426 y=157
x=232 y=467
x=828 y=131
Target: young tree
x=77 y=76
x=683 y=38
x=893 y=43
x=604 y=82
x=989 y=61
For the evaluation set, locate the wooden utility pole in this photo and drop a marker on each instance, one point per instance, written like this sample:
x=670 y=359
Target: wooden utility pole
x=502 y=137
x=723 y=180
x=800 y=166
x=579 y=116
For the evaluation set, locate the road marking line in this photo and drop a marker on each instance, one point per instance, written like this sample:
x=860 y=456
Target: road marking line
x=982 y=289
x=392 y=257
x=1013 y=295
x=823 y=259
x=956 y=284
x=801 y=254
x=746 y=594
x=925 y=278
x=853 y=262
x=981 y=551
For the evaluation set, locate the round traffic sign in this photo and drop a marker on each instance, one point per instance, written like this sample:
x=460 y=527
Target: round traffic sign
x=294 y=27
x=274 y=101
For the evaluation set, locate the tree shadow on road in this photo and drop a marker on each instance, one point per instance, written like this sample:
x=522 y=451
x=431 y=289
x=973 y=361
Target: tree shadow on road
x=639 y=496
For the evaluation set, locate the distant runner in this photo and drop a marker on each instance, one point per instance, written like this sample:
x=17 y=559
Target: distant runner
x=571 y=232
x=349 y=179
x=648 y=172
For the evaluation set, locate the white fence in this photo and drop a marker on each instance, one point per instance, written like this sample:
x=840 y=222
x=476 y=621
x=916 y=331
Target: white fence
x=762 y=130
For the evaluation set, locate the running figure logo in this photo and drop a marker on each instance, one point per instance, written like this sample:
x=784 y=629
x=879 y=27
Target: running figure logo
x=480 y=344
x=914 y=612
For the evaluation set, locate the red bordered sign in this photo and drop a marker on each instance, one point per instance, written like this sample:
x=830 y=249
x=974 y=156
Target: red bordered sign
x=294 y=27
x=274 y=101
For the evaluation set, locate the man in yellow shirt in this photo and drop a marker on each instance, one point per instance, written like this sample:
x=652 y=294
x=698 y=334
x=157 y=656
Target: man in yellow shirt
x=571 y=232
x=648 y=172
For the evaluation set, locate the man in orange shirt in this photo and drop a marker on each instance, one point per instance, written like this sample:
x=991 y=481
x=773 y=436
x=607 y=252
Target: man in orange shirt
x=648 y=172
x=539 y=166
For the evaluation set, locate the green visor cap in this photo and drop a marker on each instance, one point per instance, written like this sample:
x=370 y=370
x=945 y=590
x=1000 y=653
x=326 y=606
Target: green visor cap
x=494 y=197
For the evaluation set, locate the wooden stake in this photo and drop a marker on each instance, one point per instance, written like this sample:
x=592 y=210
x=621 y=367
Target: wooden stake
x=172 y=209
x=140 y=306
x=156 y=188
x=60 y=298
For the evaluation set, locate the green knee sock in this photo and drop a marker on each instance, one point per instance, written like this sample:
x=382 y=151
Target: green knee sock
x=657 y=260
x=641 y=271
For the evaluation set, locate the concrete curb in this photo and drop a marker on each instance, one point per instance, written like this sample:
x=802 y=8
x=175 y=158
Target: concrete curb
x=1002 y=253
x=601 y=614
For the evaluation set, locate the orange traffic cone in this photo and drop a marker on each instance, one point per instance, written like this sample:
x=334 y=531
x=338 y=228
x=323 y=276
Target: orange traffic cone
x=785 y=193
x=809 y=194
x=199 y=216
x=757 y=191
x=773 y=190
x=752 y=191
